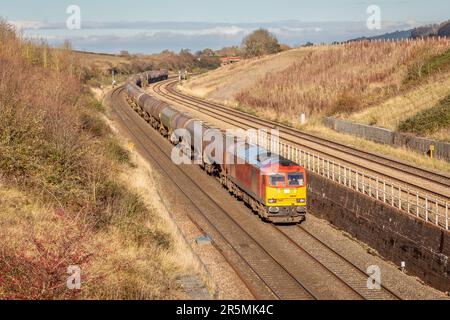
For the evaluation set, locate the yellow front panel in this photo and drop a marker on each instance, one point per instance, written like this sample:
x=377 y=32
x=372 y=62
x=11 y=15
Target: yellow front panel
x=285 y=196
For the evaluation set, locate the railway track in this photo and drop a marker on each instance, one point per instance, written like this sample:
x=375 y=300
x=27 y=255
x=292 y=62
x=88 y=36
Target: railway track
x=349 y=273
x=279 y=281
x=427 y=181
x=280 y=273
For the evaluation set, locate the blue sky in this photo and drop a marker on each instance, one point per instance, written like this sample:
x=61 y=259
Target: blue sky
x=113 y=25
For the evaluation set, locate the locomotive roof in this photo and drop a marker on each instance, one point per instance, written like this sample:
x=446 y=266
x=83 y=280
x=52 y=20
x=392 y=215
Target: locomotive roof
x=261 y=157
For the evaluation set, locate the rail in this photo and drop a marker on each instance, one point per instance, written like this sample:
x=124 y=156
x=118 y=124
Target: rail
x=420 y=205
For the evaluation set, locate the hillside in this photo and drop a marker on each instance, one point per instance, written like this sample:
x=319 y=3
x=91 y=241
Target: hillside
x=378 y=83
x=69 y=191
x=340 y=80
x=225 y=82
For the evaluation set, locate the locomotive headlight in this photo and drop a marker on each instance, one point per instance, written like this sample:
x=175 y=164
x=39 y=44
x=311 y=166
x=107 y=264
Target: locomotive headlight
x=272 y=200
x=301 y=200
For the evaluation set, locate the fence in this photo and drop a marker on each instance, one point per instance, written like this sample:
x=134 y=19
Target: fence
x=385 y=136
x=420 y=205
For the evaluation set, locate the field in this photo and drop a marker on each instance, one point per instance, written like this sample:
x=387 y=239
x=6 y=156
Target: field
x=70 y=193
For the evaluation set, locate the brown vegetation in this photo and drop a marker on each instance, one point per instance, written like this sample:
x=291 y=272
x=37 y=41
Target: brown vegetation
x=339 y=79
x=62 y=200
x=225 y=82
x=97 y=68
x=389 y=82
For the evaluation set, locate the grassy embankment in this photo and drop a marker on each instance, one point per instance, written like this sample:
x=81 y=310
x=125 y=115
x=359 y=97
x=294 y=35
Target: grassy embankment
x=422 y=108
x=64 y=195
x=378 y=83
x=430 y=121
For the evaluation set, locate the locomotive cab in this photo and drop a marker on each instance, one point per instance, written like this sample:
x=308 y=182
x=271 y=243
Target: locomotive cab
x=285 y=192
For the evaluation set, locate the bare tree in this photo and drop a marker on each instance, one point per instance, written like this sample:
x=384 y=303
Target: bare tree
x=425 y=31
x=230 y=51
x=444 y=30
x=259 y=43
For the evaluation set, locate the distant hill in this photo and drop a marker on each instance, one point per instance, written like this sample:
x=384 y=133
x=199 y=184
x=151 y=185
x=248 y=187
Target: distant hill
x=425 y=31
x=397 y=35
x=444 y=30
x=432 y=30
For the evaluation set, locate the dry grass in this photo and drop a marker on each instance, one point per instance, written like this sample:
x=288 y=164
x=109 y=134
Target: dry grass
x=102 y=62
x=145 y=252
x=375 y=83
x=443 y=135
x=339 y=79
x=354 y=78
x=129 y=259
x=63 y=196
x=224 y=83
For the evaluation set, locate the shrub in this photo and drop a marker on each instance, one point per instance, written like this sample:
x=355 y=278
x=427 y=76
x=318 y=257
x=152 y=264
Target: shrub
x=55 y=148
x=428 y=121
x=38 y=270
x=118 y=153
x=93 y=124
x=346 y=103
x=430 y=66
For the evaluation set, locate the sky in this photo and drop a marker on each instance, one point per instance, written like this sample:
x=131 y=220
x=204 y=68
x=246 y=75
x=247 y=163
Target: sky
x=150 y=26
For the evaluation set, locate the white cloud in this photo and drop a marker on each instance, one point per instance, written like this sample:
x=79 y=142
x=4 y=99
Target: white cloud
x=217 y=31
x=30 y=25
x=145 y=36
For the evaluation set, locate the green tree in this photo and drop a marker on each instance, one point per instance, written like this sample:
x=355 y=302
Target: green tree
x=259 y=43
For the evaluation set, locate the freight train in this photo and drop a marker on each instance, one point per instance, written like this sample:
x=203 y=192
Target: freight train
x=272 y=186
x=143 y=79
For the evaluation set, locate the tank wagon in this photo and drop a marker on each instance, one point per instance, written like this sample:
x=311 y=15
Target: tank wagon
x=148 y=77
x=273 y=187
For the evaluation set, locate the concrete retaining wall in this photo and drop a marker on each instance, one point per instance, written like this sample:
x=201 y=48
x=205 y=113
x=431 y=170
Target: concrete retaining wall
x=395 y=235
x=385 y=136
